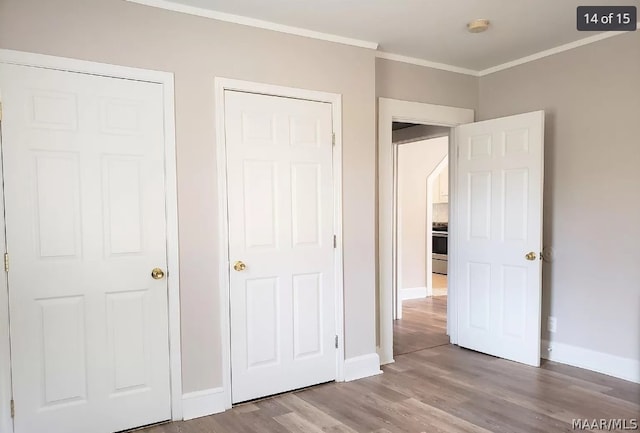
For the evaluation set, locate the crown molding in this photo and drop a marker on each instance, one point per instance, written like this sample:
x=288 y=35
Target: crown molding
x=521 y=61
x=268 y=25
x=426 y=63
x=252 y=22
x=552 y=51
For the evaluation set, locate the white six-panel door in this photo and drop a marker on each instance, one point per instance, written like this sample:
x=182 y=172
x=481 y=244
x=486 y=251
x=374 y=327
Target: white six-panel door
x=83 y=162
x=500 y=173
x=280 y=201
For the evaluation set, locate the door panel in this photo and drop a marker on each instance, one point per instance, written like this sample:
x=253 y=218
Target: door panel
x=306 y=206
x=57 y=204
x=480 y=291
x=514 y=203
x=83 y=160
x=479 y=198
x=63 y=349
x=261 y=205
x=126 y=339
x=280 y=192
x=263 y=328
x=500 y=169
x=307 y=315
x=122 y=205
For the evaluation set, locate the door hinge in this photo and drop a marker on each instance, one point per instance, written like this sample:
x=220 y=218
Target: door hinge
x=13 y=409
x=335 y=241
x=336 y=344
x=6 y=262
x=333 y=138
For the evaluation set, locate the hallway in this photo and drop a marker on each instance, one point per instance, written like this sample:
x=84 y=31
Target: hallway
x=423 y=325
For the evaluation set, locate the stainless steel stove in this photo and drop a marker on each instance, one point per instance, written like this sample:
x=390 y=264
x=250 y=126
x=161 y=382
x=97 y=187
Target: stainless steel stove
x=440 y=241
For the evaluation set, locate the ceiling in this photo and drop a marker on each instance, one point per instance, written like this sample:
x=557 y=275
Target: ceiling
x=431 y=30
x=396 y=126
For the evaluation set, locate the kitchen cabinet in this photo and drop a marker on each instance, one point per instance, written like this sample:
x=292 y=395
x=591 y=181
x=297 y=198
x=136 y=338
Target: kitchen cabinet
x=440 y=190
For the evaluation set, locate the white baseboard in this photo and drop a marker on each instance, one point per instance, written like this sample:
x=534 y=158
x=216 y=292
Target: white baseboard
x=361 y=366
x=202 y=403
x=413 y=293
x=612 y=365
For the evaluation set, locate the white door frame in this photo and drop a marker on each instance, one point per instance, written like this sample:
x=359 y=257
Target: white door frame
x=390 y=110
x=173 y=270
x=221 y=85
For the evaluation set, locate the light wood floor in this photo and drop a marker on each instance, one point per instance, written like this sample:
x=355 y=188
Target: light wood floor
x=439 y=284
x=440 y=389
x=423 y=325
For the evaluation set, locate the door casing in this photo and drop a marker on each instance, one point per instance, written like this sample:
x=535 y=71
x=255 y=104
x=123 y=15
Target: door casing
x=393 y=110
x=173 y=271
x=222 y=85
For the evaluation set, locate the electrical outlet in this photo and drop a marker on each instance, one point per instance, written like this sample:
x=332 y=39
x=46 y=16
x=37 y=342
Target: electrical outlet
x=552 y=324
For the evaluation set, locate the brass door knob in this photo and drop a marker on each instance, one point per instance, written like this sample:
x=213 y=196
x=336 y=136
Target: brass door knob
x=239 y=266
x=157 y=274
x=530 y=256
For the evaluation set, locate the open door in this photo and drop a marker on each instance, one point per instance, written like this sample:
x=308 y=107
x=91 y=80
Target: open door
x=500 y=177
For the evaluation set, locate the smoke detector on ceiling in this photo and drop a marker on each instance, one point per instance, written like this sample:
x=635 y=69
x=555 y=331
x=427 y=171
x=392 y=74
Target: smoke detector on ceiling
x=478 y=26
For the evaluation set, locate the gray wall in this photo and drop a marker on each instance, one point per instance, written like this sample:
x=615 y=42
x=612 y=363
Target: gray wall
x=196 y=50
x=416 y=83
x=591 y=96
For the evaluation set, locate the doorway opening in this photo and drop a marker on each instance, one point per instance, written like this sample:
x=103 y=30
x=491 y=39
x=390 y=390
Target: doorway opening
x=496 y=215
x=393 y=110
x=422 y=214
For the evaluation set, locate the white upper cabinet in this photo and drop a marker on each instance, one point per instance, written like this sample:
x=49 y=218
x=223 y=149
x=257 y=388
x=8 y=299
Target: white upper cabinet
x=440 y=189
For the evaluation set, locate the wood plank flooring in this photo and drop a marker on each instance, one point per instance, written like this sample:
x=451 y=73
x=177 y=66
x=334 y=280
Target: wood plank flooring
x=439 y=281
x=423 y=325
x=439 y=389
x=439 y=284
